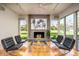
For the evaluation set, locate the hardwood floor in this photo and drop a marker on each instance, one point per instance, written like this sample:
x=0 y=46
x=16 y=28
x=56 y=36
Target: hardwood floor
x=38 y=49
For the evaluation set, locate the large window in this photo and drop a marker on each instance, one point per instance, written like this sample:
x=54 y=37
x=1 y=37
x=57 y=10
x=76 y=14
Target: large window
x=70 y=26
x=61 y=26
x=23 y=28
x=53 y=29
x=77 y=25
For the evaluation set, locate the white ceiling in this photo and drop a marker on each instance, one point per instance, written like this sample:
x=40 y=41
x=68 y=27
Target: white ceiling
x=38 y=8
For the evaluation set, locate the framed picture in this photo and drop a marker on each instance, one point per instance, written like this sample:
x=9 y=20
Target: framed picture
x=39 y=23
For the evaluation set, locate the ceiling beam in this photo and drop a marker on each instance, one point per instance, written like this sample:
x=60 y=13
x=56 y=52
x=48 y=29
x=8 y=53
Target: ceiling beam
x=20 y=7
x=5 y=5
x=55 y=7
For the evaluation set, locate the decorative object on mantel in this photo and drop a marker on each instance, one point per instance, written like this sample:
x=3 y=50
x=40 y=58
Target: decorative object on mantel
x=38 y=38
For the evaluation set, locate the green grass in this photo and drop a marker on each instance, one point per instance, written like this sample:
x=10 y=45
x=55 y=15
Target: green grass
x=62 y=32
x=24 y=34
x=53 y=31
x=53 y=34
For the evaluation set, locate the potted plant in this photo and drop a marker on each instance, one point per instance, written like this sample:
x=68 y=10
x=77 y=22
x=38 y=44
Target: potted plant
x=48 y=34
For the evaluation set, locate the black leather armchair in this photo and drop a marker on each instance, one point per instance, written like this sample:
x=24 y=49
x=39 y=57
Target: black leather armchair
x=58 y=40
x=8 y=44
x=19 y=40
x=67 y=44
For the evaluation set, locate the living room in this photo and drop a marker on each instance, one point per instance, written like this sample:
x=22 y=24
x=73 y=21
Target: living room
x=34 y=27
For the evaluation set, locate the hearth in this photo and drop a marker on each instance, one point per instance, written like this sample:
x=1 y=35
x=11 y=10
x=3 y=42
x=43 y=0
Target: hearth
x=39 y=35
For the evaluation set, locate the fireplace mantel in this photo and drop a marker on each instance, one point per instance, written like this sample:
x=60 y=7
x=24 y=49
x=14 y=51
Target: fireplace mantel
x=32 y=33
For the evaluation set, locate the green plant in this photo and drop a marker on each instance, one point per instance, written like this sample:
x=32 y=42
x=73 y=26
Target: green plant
x=48 y=33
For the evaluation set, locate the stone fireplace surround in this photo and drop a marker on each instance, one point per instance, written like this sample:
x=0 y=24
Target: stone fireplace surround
x=31 y=37
x=39 y=31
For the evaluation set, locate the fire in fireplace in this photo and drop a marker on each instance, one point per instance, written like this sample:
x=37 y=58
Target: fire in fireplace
x=38 y=34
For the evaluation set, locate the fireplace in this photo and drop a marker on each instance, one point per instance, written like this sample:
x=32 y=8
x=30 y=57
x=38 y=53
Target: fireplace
x=39 y=35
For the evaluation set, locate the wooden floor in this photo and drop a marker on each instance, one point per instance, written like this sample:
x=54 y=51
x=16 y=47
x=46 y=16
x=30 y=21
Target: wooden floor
x=39 y=49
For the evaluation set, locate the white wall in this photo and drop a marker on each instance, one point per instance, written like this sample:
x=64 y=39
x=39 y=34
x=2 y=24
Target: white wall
x=8 y=24
x=71 y=9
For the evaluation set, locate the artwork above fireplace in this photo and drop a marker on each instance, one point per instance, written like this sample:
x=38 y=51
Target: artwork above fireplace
x=39 y=23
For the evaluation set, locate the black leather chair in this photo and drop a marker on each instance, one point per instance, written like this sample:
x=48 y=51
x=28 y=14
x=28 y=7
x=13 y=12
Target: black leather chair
x=19 y=40
x=8 y=44
x=67 y=44
x=58 y=40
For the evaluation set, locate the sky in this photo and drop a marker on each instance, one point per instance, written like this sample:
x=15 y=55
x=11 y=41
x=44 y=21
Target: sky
x=54 y=22
x=23 y=22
